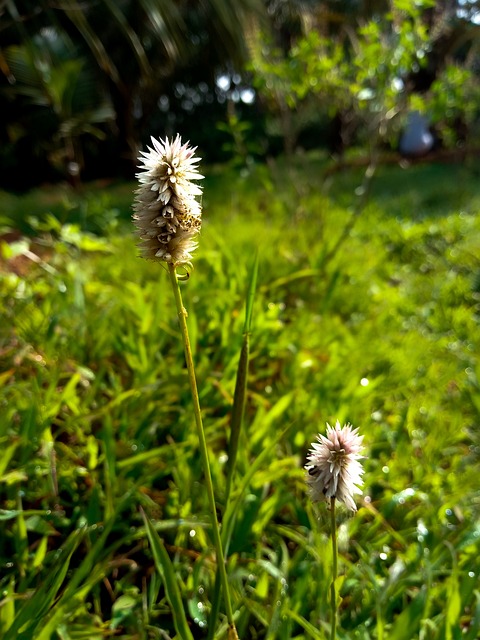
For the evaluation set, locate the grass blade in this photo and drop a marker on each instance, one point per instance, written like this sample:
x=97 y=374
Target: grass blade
x=312 y=631
x=36 y=607
x=165 y=568
x=251 y=295
x=90 y=571
x=238 y=409
x=238 y=412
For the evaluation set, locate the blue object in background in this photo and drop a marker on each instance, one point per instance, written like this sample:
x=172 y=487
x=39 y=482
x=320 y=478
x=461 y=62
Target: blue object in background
x=416 y=139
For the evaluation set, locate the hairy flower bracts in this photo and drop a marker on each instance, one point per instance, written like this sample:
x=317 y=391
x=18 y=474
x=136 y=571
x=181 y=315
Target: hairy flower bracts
x=167 y=214
x=333 y=467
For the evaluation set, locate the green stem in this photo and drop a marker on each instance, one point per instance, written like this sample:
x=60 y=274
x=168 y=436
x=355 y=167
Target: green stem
x=182 y=316
x=333 y=595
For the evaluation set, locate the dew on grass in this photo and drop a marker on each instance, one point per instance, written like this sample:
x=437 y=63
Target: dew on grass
x=382 y=556
x=396 y=569
x=192 y=533
x=403 y=495
x=385 y=469
x=201 y=590
x=364 y=382
x=422 y=531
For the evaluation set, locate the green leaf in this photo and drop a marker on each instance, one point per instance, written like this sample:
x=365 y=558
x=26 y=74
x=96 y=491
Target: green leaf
x=7 y=608
x=40 y=553
x=406 y=624
x=197 y=610
x=122 y=608
x=453 y=605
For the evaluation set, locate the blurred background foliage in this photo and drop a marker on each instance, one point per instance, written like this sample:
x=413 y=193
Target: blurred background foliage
x=83 y=85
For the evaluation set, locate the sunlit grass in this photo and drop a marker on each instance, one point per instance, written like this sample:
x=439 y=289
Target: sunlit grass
x=96 y=418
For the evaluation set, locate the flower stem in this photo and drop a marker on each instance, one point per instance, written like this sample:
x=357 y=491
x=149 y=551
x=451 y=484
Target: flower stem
x=182 y=316
x=333 y=595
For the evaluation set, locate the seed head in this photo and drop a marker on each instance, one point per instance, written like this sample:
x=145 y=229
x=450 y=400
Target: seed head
x=333 y=467
x=167 y=215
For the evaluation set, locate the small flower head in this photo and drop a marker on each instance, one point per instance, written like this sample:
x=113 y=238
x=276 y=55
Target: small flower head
x=333 y=467
x=167 y=214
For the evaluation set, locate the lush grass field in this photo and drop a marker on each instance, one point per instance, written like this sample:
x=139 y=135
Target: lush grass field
x=381 y=330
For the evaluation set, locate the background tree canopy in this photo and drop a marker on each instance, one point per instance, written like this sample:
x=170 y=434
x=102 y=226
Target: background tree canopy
x=84 y=85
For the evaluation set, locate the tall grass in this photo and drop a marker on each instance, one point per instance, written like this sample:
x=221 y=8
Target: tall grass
x=96 y=420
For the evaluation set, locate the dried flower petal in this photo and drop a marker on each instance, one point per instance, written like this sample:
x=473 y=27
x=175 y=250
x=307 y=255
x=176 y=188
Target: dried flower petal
x=333 y=467
x=167 y=214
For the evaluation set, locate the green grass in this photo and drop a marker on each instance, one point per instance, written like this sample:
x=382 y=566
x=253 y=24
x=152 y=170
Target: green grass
x=96 y=420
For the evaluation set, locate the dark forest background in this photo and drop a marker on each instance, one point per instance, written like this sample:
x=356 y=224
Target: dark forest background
x=83 y=85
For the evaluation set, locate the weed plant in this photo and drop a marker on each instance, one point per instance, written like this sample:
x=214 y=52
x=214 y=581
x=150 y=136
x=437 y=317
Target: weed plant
x=96 y=421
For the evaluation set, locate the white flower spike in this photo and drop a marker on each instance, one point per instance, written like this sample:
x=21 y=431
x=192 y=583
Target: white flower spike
x=167 y=215
x=333 y=467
